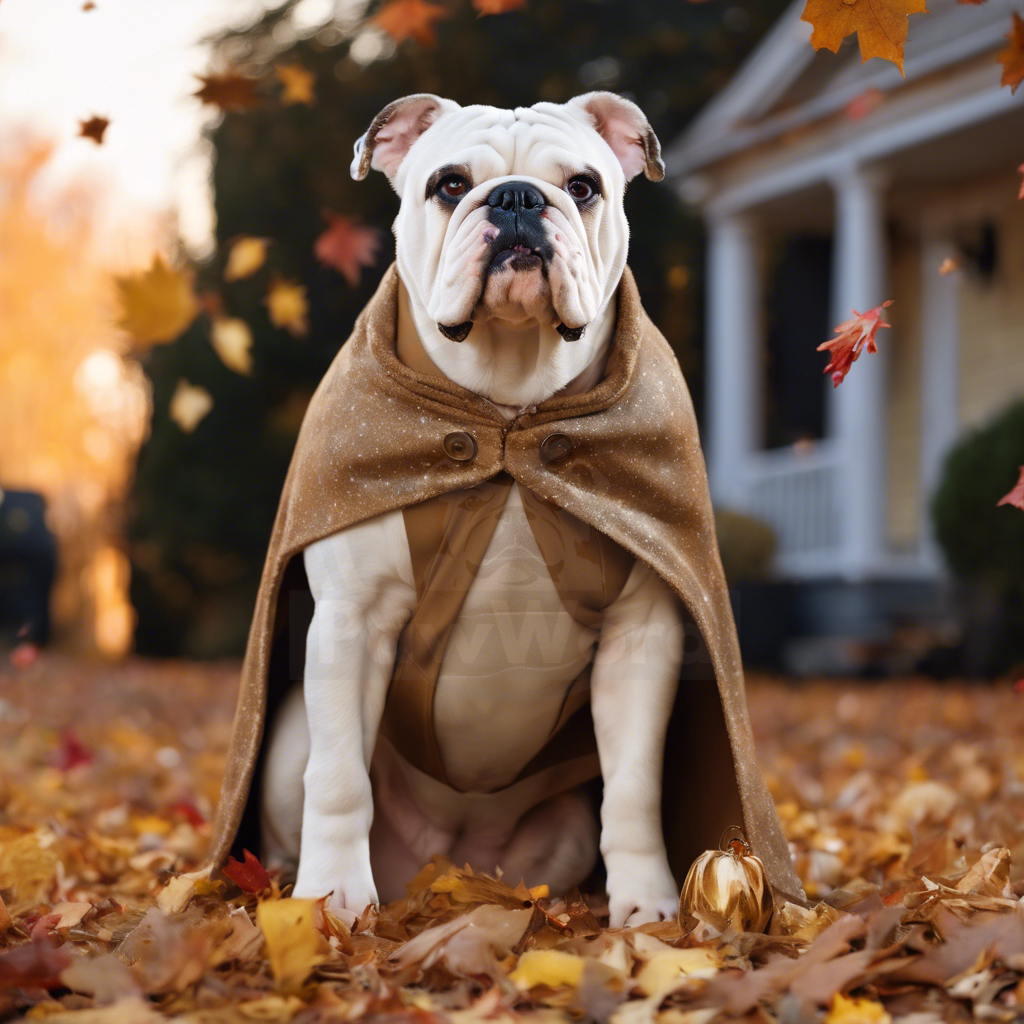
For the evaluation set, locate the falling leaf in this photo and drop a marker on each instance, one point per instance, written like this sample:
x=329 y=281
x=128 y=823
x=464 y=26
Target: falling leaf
x=230 y=91
x=410 y=19
x=1020 y=170
x=854 y=336
x=856 y=1011
x=157 y=305
x=347 y=246
x=881 y=25
x=498 y=6
x=948 y=265
x=246 y=255
x=299 y=83
x=93 y=128
x=1012 y=58
x=286 y=301
x=549 y=967
x=190 y=405
x=72 y=751
x=88 y=6
x=865 y=103
x=6 y=923
x=1016 y=496
x=292 y=942
x=232 y=340
x=24 y=655
x=973 y=3
x=250 y=876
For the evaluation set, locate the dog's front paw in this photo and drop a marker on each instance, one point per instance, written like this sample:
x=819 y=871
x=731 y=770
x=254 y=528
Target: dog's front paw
x=350 y=892
x=641 y=889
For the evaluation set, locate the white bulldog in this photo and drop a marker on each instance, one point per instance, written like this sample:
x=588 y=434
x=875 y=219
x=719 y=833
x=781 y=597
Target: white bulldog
x=511 y=241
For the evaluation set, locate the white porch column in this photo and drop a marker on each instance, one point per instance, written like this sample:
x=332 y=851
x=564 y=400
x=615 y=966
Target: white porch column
x=859 y=410
x=733 y=345
x=940 y=398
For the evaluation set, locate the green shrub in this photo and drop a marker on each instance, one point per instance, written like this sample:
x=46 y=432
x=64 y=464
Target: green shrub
x=983 y=542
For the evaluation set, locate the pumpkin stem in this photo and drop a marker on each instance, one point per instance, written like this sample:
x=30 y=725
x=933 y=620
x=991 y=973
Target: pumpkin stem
x=738 y=845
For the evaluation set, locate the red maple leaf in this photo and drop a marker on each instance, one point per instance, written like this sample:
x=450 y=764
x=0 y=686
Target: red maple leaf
x=1016 y=496
x=498 y=6
x=347 y=246
x=36 y=964
x=405 y=19
x=187 y=810
x=853 y=337
x=249 y=877
x=72 y=751
x=1012 y=58
x=1020 y=194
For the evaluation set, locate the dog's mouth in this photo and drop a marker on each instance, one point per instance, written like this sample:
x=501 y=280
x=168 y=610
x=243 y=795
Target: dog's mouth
x=517 y=257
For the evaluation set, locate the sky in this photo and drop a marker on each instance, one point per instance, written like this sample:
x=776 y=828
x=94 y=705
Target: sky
x=136 y=63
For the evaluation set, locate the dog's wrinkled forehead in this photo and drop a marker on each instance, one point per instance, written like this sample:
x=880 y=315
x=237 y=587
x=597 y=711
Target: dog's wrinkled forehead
x=412 y=136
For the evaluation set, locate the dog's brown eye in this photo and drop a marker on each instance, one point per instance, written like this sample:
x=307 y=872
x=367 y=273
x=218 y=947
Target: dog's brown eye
x=453 y=187
x=581 y=189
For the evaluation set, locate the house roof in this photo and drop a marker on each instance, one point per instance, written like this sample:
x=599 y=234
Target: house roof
x=785 y=85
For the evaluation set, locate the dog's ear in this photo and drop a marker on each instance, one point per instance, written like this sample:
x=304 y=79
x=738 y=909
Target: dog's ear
x=623 y=125
x=394 y=130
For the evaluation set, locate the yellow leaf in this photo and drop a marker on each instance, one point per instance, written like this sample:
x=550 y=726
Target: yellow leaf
x=28 y=865
x=232 y=341
x=190 y=405
x=298 y=83
x=881 y=25
x=856 y=1011
x=245 y=257
x=151 y=823
x=286 y=301
x=665 y=970
x=549 y=967
x=292 y=941
x=157 y=305
x=274 y=1008
x=174 y=897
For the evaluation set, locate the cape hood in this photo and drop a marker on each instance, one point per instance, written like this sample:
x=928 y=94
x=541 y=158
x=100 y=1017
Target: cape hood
x=372 y=441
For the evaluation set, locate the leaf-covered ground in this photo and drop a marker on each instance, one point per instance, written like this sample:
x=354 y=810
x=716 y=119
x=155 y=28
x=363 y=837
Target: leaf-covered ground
x=904 y=802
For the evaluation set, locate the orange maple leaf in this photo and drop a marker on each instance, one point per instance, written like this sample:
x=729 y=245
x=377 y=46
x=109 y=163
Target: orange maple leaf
x=250 y=876
x=1020 y=194
x=853 y=337
x=410 y=19
x=347 y=246
x=299 y=84
x=497 y=6
x=881 y=25
x=93 y=128
x=1016 y=496
x=230 y=91
x=1012 y=58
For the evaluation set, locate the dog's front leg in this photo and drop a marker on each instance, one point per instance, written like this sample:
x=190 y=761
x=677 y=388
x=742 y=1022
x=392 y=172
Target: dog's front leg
x=362 y=584
x=633 y=686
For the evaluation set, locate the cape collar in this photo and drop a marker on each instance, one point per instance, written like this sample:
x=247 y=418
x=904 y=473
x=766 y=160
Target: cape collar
x=380 y=321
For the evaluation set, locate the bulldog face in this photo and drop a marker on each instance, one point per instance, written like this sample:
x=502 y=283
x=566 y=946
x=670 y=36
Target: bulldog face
x=514 y=215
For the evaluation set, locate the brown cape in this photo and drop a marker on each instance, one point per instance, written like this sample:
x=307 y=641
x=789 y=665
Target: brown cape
x=372 y=442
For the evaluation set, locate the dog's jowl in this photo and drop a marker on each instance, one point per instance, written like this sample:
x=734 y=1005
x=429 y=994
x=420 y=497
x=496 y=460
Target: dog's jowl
x=494 y=543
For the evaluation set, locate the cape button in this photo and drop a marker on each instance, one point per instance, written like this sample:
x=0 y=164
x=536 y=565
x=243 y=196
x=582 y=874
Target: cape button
x=555 y=447
x=460 y=446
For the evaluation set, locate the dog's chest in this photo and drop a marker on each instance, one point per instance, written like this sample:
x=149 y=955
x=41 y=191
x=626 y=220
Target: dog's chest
x=513 y=653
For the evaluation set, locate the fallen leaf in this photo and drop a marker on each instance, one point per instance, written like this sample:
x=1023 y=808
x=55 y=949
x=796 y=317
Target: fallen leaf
x=990 y=875
x=230 y=91
x=250 y=876
x=103 y=977
x=35 y=964
x=853 y=337
x=157 y=305
x=1020 y=170
x=232 y=341
x=93 y=128
x=299 y=84
x=948 y=265
x=856 y=1011
x=410 y=19
x=881 y=25
x=347 y=246
x=71 y=752
x=69 y=914
x=498 y=6
x=1012 y=58
x=190 y=405
x=175 y=896
x=549 y=967
x=663 y=971
x=292 y=941
x=286 y=301
x=246 y=255
x=1016 y=496
x=28 y=864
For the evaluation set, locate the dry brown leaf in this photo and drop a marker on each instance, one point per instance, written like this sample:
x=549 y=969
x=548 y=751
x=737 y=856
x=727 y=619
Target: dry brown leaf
x=1012 y=58
x=93 y=128
x=990 y=875
x=229 y=91
x=190 y=405
x=881 y=25
x=410 y=19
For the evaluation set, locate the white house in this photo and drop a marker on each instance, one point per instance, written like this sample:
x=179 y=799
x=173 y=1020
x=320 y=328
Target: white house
x=829 y=185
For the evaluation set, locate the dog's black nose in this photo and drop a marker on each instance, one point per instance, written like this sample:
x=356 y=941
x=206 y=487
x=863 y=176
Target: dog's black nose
x=516 y=196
